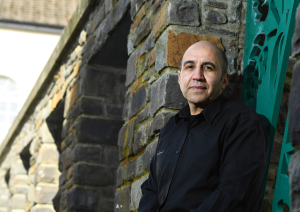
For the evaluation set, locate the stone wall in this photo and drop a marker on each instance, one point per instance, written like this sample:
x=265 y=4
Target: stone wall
x=85 y=136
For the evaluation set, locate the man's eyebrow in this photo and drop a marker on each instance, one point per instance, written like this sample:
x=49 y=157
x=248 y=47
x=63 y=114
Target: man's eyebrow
x=188 y=61
x=209 y=63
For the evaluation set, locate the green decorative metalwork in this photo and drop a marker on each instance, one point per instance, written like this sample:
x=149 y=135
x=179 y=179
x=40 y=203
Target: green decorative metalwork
x=269 y=29
x=282 y=188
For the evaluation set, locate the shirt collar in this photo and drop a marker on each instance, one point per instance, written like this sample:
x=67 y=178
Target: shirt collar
x=209 y=113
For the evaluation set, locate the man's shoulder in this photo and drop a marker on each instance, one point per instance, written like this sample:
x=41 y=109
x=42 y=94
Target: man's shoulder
x=239 y=110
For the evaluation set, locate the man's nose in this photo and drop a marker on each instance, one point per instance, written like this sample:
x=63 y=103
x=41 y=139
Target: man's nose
x=198 y=74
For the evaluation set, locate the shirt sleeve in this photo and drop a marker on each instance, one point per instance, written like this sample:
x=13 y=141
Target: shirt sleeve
x=243 y=163
x=149 y=200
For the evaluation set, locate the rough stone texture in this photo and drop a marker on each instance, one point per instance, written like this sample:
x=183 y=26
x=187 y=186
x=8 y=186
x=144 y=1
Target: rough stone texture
x=97 y=131
x=18 y=201
x=144 y=29
x=165 y=92
x=122 y=199
x=46 y=173
x=138 y=100
x=294 y=107
x=88 y=153
x=42 y=208
x=79 y=199
x=295 y=41
x=147 y=156
x=90 y=174
x=220 y=31
x=140 y=138
x=172 y=45
x=294 y=175
x=276 y=149
x=235 y=11
x=215 y=17
x=87 y=105
x=44 y=193
x=217 y=4
x=125 y=140
x=159 y=121
x=136 y=193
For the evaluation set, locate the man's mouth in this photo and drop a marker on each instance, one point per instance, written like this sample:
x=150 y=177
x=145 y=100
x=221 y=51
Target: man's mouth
x=198 y=88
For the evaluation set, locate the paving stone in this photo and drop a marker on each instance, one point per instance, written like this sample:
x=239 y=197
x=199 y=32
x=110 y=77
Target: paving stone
x=138 y=100
x=46 y=173
x=235 y=11
x=147 y=156
x=95 y=82
x=44 y=193
x=87 y=105
x=215 y=17
x=136 y=193
x=42 y=208
x=165 y=92
x=125 y=140
x=122 y=199
x=92 y=174
x=217 y=4
x=172 y=44
x=97 y=131
x=81 y=199
x=144 y=29
x=294 y=106
x=89 y=153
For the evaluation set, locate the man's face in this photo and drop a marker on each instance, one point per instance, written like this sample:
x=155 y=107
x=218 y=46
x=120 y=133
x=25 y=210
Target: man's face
x=200 y=78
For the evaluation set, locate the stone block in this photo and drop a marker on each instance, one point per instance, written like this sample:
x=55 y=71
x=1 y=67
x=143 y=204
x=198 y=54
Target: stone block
x=94 y=82
x=147 y=156
x=44 y=134
x=4 y=200
x=110 y=156
x=47 y=174
x=90 y=153
x=48 y=154
x=108 y=5
x=294 y=106
x=232 y=66
x=216 y=4
x=235 y=10
x=114 y=111
x=17 y=201
x=97 y=131
x=159 y=121
x=136 y=193
x=88 y=106
x=125 y=140
x=42 y=208
x=92 y=174
x=18 y=168
x=82 y=38
x=221 y=31
x=81 y=199
x=135 y=7
x=127 y=105
x=44 y=193
x=98 y=17
x=20 y=179
x=215 y=17
x=56 y=200
x=122 y=199
x=296 y=37
x=138 y=100
x=131 y=39
x=119 y=176
x=131 y=74
x=144 y=29
x=129 y=171
x=143 y=115
x=141 y=138
x=119 y=10
x=20 y=189
x=66 y=157
x=165 y=92
x=172 y=44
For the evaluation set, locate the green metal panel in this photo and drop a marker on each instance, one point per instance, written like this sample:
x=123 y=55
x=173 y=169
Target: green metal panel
x=282 y=188
x=267 y=49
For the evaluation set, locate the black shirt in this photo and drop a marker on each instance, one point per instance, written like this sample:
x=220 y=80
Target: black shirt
x=212 y=162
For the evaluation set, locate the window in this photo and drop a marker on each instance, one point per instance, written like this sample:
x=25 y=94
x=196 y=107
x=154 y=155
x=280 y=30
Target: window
x=8 y=105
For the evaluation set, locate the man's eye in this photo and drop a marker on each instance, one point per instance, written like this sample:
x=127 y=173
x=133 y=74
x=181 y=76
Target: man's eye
x=207 y=68
x=189 y=67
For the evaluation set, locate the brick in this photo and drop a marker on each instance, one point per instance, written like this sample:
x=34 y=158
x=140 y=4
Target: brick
x=215 y=17
x=235 y=10
x=221 y=31
x=92 y=174
x=294 y=107
x=122 y=199
x=97 y=131
x=90 y=153
x=172 y=45
x=87 y=105
x=95 y=82
x=136 y=193
x=114 y=111
x=165 y=92
x=147 y=156
x=138 y=100
x=144 y=29
x=47 y=174
x=216 y=4
x=81 y=199
x=125 y=140
x=44 y=193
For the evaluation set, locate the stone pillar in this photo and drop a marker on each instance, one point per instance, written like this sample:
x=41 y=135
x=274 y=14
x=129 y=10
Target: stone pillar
x=294 y=121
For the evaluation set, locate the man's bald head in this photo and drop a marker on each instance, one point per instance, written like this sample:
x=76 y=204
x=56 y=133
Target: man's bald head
x=220 y=52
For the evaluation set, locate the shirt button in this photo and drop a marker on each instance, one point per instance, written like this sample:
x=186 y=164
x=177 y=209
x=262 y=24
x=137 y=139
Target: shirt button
x=170 y=176
x=177 y=151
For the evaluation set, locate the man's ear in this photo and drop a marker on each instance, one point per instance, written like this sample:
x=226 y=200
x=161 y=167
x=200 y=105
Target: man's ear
x=179 y=76
x=225 y=81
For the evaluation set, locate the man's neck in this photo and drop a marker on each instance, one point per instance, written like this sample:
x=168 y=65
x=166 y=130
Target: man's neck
x=194 y=110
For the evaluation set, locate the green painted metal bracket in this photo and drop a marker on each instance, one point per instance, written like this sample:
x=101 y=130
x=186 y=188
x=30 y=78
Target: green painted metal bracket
x=267 y=48
x=282 y=188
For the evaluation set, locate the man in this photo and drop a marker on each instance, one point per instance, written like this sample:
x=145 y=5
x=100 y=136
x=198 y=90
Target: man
x=211 y=156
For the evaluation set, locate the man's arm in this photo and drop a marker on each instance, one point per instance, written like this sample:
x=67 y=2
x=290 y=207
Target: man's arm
x=149 y=200
x=243 y=162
